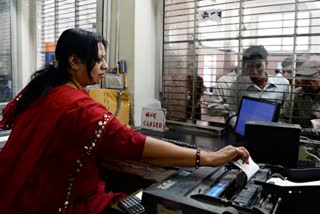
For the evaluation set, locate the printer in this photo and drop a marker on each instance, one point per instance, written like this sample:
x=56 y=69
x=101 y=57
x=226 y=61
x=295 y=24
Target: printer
x=226 y=189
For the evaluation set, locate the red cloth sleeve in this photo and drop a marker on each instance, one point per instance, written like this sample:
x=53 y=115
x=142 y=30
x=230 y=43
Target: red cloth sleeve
x=116 y=140
x=9 y=113
x=121 y=143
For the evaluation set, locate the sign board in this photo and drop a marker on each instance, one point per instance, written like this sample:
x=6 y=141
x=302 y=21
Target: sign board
x=153 y=119
x=114 y=81
x=213 y=15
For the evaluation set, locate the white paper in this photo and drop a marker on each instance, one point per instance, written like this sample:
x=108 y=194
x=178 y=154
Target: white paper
x=315 y=124
x=139 y=195
x=249 y=169
x=286 y=183
x=152 y=104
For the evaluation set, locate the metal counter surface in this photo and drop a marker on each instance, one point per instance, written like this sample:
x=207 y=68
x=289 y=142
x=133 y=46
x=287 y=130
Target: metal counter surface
x=202 y=140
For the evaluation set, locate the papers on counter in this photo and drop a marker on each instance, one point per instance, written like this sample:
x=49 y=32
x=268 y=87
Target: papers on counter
x=251 y=169
x=287 y=183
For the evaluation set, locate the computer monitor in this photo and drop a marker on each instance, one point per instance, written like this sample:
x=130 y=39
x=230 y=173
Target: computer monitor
x=254 y=109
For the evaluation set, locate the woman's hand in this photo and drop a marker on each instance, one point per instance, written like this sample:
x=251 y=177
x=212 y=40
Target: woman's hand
x=226 y=154
x=161 y=153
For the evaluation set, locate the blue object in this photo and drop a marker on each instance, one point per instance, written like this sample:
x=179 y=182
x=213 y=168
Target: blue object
x=217 y=189
x=252 y=109
x=49 y=58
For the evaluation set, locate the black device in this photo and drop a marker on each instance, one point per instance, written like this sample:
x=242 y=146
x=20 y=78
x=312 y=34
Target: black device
x=225 y=189
x=273 y=143
x=254 y=109
x=132 y=205
x=208 y=190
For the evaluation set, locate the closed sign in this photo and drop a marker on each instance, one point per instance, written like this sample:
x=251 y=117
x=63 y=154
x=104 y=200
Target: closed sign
x=153 y=119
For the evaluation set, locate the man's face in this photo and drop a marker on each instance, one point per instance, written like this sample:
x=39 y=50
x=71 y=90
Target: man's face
x=255 y=69
x=310 y=84
x=287 y=73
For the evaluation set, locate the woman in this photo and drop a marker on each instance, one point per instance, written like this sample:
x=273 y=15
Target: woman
x=59 y=134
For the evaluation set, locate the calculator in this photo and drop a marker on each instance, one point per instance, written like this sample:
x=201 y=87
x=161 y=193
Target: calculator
x=132 y=205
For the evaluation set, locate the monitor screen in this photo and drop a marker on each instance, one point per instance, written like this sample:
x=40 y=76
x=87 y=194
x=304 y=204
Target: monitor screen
x=253 y=109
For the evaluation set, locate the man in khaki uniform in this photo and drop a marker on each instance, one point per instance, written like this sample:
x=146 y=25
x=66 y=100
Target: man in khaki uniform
x=306 y=99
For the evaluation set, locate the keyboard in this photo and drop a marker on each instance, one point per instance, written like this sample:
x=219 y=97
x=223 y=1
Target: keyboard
x=132 y=205
x=179 y=143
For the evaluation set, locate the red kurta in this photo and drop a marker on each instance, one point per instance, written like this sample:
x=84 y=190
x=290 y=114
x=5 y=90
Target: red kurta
x=51 y=158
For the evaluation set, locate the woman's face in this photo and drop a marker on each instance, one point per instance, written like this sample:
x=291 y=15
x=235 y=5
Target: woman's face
x=97 y=73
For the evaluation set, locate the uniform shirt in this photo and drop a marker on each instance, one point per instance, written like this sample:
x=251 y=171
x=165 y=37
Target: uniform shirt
x=305 y=108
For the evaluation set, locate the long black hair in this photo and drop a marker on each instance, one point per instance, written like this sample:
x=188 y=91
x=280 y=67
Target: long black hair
x=72 y=42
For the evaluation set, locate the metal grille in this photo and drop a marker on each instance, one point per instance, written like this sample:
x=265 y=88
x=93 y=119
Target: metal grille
x=59 y=15
x=203 y=47
x=5 y=52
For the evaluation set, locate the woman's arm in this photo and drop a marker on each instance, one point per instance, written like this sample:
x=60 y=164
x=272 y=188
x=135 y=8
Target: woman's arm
x=162 y=153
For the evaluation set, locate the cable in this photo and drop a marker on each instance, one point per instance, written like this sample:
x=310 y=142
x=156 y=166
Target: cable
x=275 y=208
x=306 y=140
x=228 y=121
x=312 y=155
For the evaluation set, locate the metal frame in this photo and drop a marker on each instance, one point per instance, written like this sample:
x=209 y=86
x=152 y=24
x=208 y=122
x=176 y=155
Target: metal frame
x=182 y=31
x=104 y=26
x=16 y=77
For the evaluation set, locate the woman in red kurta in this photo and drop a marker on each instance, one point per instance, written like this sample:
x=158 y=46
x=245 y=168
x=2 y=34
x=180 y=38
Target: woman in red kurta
x=59 y=135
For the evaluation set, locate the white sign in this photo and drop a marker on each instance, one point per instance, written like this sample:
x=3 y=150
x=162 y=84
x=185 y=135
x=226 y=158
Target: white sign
x=213 y=15
x=153 y=119
x=114 y=81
